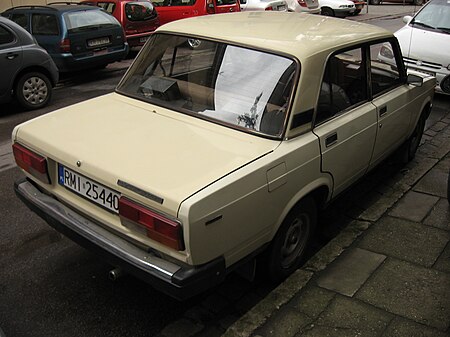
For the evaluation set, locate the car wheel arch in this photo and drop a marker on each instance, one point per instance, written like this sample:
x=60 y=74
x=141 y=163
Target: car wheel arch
x=31 y=69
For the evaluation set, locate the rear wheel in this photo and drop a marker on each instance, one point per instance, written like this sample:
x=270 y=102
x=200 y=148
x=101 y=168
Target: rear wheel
x=375 y=2
x=33 y=90
x=291 y=242
x=327 y=11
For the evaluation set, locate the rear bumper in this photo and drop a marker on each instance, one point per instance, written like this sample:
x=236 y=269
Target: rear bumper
x=178 y=281
x=68 y=62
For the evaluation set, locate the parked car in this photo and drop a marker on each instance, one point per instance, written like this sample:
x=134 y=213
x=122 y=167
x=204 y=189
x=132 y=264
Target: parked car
x=171 y=10
x=138 y=18
x=338 y=8
x=304 y=6
x=27 y=71
x=200 y=166
x=76 y=37
x=359 y=5
x=425 y=42
x=412 y=2
x=264 y=5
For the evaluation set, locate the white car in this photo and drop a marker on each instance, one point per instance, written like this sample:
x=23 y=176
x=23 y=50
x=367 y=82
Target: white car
x=204 y=158
x=264 y=5
x=338 y=8
x=304 y=6
x=425 y=42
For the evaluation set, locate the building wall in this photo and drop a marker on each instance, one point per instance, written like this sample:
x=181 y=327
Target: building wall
x=5 y=4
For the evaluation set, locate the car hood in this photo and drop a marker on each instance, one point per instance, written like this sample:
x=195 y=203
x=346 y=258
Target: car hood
x=424 y=45
x=159 y=151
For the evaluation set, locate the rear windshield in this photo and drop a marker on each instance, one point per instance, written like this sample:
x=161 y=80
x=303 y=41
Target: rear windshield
x=139 y=11
x=174 y=2
x=89 y=19
x=241 y=88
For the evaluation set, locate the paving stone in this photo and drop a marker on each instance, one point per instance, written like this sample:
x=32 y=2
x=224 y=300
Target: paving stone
x=432 y=183
x=345 y=313
x=312 y=301
x=182 y=327
x=439 y=216
x=401 y=327
x=414 y=206
x=430 y=133
x=399 y=238
x=324 y=331
x=349 y=272
x=411 y=291
x=216 y=303
x=439 y=126
x=443 y=263
x=286 y=322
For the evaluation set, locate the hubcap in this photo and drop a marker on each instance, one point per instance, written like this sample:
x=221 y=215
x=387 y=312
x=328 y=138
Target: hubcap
x=35 y=90
x=295 y=240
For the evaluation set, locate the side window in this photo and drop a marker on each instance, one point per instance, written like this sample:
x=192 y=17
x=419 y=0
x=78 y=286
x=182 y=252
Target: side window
x=44 y=24
x=5 y=36
x=21 y=20
x=343 y=85
x=383 y=68
x=107 y=6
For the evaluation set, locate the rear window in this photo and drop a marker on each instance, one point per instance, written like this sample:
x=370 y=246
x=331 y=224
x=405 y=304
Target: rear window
x=44 y=24
x=225 y=2
x=89 y=19
x=245 y=89
x=139 y=11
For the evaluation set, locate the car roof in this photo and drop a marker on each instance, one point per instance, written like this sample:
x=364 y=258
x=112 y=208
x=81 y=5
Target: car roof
x=298 y=34
x=62 y=8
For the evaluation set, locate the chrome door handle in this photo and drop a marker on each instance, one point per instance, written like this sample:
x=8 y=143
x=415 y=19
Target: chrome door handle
x=11 y=56
x=331 y=139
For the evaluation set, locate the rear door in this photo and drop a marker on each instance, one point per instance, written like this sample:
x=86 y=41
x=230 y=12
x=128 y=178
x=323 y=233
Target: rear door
x=139 y=17
x=45 y=27
x=345 y=121
x=10 y=58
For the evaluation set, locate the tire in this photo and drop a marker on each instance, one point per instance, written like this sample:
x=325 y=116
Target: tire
x=375 y=2
x=356 y=12
x=292 y=240
x=33 y=90
x=412 y=144
x=327 y=11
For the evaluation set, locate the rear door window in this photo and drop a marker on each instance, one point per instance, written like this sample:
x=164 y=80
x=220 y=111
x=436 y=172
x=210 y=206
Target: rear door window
x=89 y=19
x=44 y=24
x=6 y=36
x=21 y=20
x=139 y=11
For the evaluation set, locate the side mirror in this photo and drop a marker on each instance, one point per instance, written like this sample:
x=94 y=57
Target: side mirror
x=414 y=80
x=407 y=19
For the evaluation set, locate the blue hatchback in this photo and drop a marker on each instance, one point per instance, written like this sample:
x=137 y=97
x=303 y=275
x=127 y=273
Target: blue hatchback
x=76 y=37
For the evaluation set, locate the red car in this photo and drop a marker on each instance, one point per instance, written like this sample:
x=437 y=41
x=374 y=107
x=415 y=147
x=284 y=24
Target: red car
x=171 y=10
x=138 y=17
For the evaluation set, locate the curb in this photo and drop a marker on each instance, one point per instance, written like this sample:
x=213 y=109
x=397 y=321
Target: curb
x=259 y=314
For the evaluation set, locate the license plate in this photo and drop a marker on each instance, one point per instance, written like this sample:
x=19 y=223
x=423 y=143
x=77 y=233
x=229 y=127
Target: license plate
x=89 y=189
x=282 y=8
x=98 y=42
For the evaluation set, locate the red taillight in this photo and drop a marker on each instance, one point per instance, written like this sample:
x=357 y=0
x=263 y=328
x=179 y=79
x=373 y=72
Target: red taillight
x=302 y=3
x=64 y=46
x=270 y=8
x=31 y=162
x=210 y=9
x=159 y=228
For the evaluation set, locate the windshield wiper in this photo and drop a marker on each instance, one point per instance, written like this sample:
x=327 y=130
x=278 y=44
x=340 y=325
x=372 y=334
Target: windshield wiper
x=445 y=30
x=421 y=24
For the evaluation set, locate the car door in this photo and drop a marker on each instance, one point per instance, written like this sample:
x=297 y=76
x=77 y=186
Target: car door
x=10 y=58
x=392 y=98
x=345 y=120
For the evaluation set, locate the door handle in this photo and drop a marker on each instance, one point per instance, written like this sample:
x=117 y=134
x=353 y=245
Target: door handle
x=331 y=139
x=383 y=110
x=11 y=56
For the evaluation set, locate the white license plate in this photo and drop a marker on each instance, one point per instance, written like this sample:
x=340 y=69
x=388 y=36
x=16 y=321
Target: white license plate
x=98 y=42
x=89 y=189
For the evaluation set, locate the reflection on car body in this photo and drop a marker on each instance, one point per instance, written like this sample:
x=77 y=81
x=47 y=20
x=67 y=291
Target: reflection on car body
x=221 y=152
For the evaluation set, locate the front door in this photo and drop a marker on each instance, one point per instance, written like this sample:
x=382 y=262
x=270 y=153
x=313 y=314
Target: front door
x=10 y=59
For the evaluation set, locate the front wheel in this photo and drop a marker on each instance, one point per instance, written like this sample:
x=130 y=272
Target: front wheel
x=327 y=11
x=33 y=90
x=290 y=244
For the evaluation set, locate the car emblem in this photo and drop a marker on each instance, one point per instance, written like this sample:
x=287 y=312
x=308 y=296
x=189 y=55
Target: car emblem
x=419 y=63
x=78 y=163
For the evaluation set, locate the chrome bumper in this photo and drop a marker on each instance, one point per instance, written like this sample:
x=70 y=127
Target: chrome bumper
x=178 y=281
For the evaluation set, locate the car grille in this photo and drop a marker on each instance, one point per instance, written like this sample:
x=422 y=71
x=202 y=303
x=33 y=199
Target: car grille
x=414 y=62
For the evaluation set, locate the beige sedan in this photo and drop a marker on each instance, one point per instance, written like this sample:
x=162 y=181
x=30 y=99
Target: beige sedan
x=203 y=158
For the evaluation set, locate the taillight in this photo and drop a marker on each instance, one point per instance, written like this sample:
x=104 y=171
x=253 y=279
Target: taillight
x=302 y=3
x=64 y=46
x=159 y=228
x=31 y=162
x=210 y=9
x=270 y=8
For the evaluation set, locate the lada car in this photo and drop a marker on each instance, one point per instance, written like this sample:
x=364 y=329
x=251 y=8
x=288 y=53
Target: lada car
x=204 y=158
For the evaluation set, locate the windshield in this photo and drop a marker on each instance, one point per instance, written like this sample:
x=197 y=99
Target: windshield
x=242 y=88
x=436 y=16
x=89 y=19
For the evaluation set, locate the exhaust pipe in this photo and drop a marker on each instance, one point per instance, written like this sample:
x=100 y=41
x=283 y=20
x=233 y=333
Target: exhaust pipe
x=115 y=274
